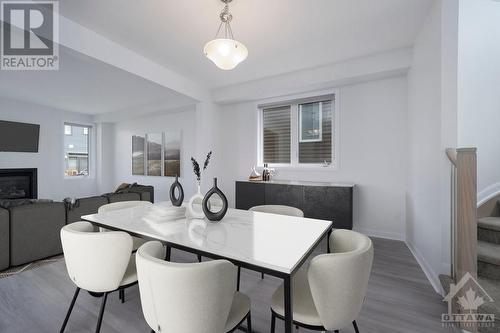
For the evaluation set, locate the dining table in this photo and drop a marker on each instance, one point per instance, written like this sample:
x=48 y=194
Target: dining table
x=276 y=245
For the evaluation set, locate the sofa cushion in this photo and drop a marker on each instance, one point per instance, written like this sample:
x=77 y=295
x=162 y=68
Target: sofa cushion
x=145 y=191
x=117 y=197
x=8 y=203
x=83 y=206
x=34 y=231
x=4 y=239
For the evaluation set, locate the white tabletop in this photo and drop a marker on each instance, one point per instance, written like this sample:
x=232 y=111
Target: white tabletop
x=275 y=242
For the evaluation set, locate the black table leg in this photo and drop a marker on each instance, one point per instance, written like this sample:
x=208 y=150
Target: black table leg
x=288 y=304
x=168 y=253
x=328 y=241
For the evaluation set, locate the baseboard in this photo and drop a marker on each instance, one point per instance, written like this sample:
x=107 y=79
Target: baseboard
x=428 y=271
x=381 y=234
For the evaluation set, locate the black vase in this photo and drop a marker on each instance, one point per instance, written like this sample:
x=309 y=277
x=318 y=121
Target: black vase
x=176 y=201
x=217 y=216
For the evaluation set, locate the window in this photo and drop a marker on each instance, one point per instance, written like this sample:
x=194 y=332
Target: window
x=298 y=133
x=76 y=150
x=67 y=130
x=310 y=122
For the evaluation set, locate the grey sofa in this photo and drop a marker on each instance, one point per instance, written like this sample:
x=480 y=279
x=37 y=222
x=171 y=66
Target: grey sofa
x=34 y=231
x=4 y=239
x=84 y=206
x=30 y=231
x=117 y=197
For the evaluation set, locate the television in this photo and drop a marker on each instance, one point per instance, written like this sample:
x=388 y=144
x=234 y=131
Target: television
x=19 y=137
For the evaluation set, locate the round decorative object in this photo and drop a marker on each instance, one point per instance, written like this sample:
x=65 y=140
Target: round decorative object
x=196 y=199
x=176 y=185
x=214 y=216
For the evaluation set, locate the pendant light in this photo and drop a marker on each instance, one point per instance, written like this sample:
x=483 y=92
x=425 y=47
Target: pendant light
x=224 y=51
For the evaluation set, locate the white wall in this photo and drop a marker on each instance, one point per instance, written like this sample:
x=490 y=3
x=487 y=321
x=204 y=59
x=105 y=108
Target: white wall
x=184 y=120
x=372 y=152
x=431 y=129
x=50 y=159
x=479 y=89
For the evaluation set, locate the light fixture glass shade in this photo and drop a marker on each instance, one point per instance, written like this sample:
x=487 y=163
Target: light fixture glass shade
x=225 y=53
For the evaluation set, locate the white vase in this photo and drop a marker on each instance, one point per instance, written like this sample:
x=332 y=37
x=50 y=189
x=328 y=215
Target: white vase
x=194 y=207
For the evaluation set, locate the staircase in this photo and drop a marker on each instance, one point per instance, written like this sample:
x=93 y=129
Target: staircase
x=488 y=263
x=488 y=247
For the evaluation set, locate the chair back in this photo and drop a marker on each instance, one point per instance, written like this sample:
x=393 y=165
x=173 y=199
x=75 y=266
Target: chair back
x=122 y=205
x=339 y=280
x=96 y=261
x=184 y=298
x=278 y=209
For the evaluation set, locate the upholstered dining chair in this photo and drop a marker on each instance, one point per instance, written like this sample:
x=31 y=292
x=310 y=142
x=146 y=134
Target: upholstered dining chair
x=122 y=205
x=99 y=262
x=328 y=296
x=136 y=241
x=276 y=209
x=189 y=297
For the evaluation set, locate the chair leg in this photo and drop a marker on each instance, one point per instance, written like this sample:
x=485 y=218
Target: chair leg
x=262 y=275
x=273 y=322
x=249 y=323
x=238 y=282
x=168 y=253
x=77 y=291
x=122 y=295
x=355 y=326
x=199 y=258
x=336 y=331
x=101 y=313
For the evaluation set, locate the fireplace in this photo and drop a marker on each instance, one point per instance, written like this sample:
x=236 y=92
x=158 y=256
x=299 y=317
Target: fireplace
x=18 y=184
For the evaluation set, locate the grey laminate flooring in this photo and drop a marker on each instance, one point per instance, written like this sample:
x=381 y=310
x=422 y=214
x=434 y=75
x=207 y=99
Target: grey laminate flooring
x=399 y=299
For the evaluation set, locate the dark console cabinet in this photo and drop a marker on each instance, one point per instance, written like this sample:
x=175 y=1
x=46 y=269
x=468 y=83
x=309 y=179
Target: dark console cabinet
x=325 y=201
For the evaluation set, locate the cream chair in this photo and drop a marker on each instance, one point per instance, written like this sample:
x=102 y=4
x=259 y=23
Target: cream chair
x=330 y=294
x=278 y=209
x=98 y=262
x=122 y=205
x=186 y=298
x=136 y=241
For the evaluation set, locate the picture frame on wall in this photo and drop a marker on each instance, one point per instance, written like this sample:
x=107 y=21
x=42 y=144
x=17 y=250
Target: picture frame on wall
x=157 y=154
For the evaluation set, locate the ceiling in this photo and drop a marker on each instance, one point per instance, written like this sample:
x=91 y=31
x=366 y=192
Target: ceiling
x=281 y=35
x=83 y=84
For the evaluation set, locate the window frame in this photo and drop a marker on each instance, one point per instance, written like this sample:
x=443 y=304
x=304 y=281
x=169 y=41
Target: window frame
x=294 y=101
x=90 y=141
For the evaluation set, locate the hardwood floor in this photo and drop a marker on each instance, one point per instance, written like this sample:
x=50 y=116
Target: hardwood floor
x=399 y=299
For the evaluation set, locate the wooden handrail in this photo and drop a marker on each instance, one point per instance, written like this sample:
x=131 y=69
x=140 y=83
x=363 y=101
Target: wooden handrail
x=452 y=155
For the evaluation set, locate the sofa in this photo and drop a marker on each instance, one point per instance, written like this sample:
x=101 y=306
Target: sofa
x=29 y=230
x=34 y=231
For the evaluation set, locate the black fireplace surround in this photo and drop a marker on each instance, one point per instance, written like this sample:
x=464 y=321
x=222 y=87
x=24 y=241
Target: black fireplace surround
x=18 y=184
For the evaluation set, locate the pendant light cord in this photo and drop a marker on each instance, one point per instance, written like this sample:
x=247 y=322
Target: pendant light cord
x=225 y=19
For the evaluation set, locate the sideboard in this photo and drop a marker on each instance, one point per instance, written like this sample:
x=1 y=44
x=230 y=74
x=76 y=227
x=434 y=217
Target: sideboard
x=319 y=200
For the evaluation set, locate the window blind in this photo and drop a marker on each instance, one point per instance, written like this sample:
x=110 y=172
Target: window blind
x=276 y=136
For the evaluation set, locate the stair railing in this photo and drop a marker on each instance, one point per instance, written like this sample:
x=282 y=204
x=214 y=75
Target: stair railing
x=463 y=192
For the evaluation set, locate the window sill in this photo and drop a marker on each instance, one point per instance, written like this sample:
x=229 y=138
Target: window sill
x=78 y=177
x=308 y=168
